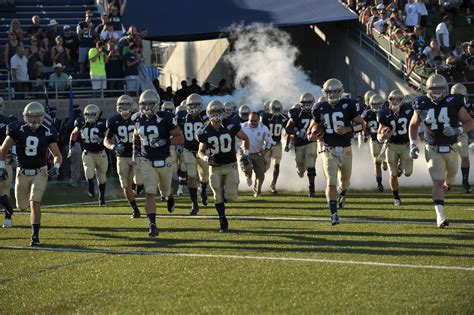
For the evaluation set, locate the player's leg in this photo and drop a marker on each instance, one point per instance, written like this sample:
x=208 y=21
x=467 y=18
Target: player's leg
x=38 y=187
x=375 y=148
x=203 y=171
x=101 y=164
x=393 y=160
x=345 y=173
x=5 y=200
x=89 y=172
x=217 y=180
x=465 y=164
x=192 y=182
x=299 y=159
x=310 y=155
x=165 y=182
x=182 y=174
x=276 y=154
x=150 y=181
x=125 y=173
x=330 y=172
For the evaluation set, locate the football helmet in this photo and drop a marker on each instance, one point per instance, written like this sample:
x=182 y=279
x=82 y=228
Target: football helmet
x=297 y=106
x=33 y=114
x=149 y=102
x=229 y=108
x=2 y=105
x=376 y=102
x=395 y=98
x=332 y=90
x=367 y=96
x=124 y=105
x=276 y=107
x=91 y=113
x=244 y=112
x=215 y=110
x=168 y=107
x=193 y=104
x=436 y=87
x=266 y=106
x=181 y=108
x=322 y=99
x=306 y=101
x=459 y=88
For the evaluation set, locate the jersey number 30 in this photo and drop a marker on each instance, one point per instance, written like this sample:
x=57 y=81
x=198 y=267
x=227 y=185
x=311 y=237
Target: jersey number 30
x=221 y=144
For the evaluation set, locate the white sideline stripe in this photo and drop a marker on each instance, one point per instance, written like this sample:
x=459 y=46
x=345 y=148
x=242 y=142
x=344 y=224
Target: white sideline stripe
x=250 y=218
x=86 y=203
x=330 y=261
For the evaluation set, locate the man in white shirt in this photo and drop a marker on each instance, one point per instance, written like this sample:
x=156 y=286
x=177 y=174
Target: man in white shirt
x=260 y=142
x=412 y=15
x=442 y=34
x=19 y=66
x=382 y=21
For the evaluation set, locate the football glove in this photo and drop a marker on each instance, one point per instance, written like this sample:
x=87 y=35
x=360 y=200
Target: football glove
x=414 y=151
x=157 y=142
x=119 y=148
x=301 y=134
x=3 y=174
x=179 y=149
x=54 y=171
x=449 y=131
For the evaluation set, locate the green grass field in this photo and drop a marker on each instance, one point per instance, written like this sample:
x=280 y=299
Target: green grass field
x=281 y=255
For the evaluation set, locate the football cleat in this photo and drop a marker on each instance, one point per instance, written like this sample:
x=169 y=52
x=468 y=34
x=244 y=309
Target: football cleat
x=256 y=194
x=341 y=200
x=7 y=223
x=194 y=210
x=136 y=214
x=153 y=231
x=311 y=192
x=204 y=198
x=273 y=188
x=224 y=225
x=443 y=223
x=380 y=188
x=467 y=187
x=249 y=181
x=334 y=219
x=91 y=192
x=35 y=242
x=102 y=201
x=397 y=202
x=170 y=204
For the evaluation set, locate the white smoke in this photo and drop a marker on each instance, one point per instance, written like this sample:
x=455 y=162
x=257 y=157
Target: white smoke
x=264 y=58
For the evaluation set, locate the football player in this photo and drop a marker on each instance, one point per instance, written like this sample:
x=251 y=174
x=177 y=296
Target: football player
x=119 y=139
x=340 y=120
x=230 y=110
x=5 y=200
x=441 y=114
x=395 y=119
x=463 y=139
x=217 y=147
x=197 y=169
x=305 y=151
x=276 y=123
x=370 y=116
x=154 y=132
x=34 y=140
x=91 y=128
x=244 y=112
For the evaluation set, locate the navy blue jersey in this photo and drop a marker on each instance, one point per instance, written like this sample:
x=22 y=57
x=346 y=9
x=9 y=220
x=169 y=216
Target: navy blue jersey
x=275 y=123
x=340 y=115
x=88 y=36
x=4 y=121
x=151 y=129
x=361 y=108
x=398 y=122
x=302 y=120
x=32 y=146
x=232 y=121
x=370 y=118
x=92 y=134
x=436 y=116
x=220 y=143
x=190 y=126
x=122 y=129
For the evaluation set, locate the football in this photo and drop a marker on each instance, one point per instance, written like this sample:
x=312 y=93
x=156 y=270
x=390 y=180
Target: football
x=317 y=131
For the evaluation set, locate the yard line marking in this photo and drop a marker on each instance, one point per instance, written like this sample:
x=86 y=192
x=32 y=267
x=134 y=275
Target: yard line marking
x=250 y=218
x=160 y=253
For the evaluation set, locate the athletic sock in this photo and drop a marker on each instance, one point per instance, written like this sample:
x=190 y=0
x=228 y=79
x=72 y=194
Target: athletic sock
x=332 y=206
x=193 y=194
x=379 y=180
x=35 y=228
x=220 y=207
x=395 y=194
x=465 y=174
x=134 y=206
x=151 y=218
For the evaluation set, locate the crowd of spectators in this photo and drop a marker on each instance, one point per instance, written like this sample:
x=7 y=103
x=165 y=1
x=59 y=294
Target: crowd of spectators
x=52 y=55
x=407 y=25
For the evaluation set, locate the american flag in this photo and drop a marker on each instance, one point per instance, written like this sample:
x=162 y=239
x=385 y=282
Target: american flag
x=47 y=111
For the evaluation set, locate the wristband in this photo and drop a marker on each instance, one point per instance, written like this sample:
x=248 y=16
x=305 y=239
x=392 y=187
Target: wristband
x=57 y=165
x=357 y=128
x=246 y=152
x=412 y=143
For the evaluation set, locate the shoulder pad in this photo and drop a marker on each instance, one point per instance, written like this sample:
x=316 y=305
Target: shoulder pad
x=136 y=115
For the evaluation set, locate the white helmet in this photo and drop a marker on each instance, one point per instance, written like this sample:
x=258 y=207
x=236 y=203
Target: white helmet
x=215 y=110
x=436 y=87
x=395 y=98
x=124 y=105
x=306 y=101
x=193 y=104
x=168 y=107
x=266 y=106
x=244 y=112
x=33 y=114
x=330 y=86
x=91 y=113
x=229 y=108
x=149 y=102
x=275 y=107
x=376 y=102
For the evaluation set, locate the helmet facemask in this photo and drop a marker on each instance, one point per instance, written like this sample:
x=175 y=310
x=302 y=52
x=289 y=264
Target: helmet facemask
x=394 y=103
x=146 y=108
x=125 y=110
x=333 y=96
x=193 y=108
x=34 y=120
x=216 y=115
x=436 y=93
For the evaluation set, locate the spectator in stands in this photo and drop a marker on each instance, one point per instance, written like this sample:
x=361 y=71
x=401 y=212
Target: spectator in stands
x=15 y=27
x=168 y=96
x=373 y=18
x=128 y=38
x=439 y=65
x=11 y=47
x=115 y=16
x=109 y=33
x=455 y=69
x=207 y=89
x=382 y=21
x=222 y=88
x=412 y=15
x=419 y=31
x=114 y=66
x=132 y=59
x=104 y=19
x=37 y=30
x=60 y=54
x=442 y=34
x=139 y=39
x=58 y=80
x=451 y=6
x=194 y=87
x=458 y=50
x=53 y=32
x=39 y=77
x=156 y=84
x=468 y=56
x=423 y=11
x=71 y=42
x=87 y=37
x=432 y=51
x=35 y=54
x=19 y=71
x=182 y=93
x=97 y=61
